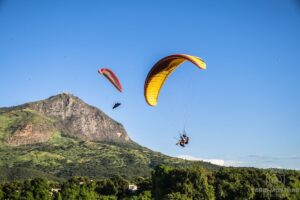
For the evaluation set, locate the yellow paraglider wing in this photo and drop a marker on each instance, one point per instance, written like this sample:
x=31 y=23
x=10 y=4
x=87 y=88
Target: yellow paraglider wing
x=161 y=71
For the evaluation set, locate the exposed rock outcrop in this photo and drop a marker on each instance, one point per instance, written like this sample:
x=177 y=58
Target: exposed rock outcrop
x=80 y=120
x=30 y=134
x=70 y=116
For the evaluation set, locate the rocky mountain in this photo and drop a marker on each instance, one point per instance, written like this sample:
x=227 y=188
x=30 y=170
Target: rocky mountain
x=62 y=136
x=64 y=113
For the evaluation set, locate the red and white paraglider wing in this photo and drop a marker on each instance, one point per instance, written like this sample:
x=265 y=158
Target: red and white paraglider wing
x=111 y=76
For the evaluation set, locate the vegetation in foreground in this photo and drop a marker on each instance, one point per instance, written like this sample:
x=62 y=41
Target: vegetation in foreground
x=168 y=183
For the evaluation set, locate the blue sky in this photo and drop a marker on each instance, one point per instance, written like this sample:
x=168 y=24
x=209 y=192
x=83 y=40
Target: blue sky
x=243 y=110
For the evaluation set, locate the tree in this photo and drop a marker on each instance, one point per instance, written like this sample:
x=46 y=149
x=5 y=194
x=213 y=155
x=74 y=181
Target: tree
x=40 y=189
x=1 y=193
x=177 y=196
x=70 y=189
x=106 y=187
x=121 y=184
x=231 y=184
x=144 y=184
x=293 y=184
x=191 y=183
x=57 y=196
x=79 y=188
x=11 y=190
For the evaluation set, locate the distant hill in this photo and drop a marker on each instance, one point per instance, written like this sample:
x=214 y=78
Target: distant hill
x=62 y=136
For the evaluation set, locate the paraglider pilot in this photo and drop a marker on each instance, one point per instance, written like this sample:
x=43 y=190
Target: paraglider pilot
x=184 y=140
x=116 y=105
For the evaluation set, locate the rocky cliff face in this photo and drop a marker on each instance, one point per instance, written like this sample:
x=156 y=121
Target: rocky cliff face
x=70 y=116
x=30 y=134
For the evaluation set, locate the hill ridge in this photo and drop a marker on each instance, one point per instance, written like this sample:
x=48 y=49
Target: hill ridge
x=46 y=138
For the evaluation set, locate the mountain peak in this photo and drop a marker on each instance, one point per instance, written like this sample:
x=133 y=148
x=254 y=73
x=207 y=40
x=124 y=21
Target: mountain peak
x=70 y=116
x=65 y=96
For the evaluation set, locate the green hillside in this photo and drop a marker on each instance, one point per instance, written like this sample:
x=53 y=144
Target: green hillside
x=11 y=119
x=63 y=157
